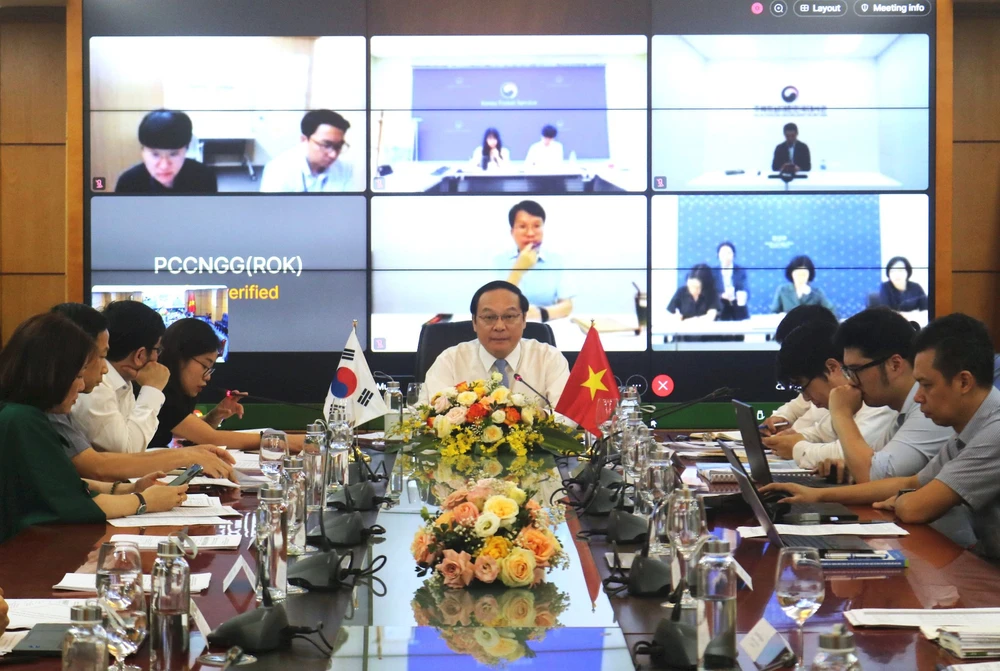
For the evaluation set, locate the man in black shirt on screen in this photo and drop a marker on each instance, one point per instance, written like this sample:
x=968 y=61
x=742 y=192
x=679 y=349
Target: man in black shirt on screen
x=791 y=156
x=165 y=168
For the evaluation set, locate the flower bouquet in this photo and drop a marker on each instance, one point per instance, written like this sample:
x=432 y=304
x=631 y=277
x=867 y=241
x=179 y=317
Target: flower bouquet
x=480 y=418
x=494 y=628
x=490 y=532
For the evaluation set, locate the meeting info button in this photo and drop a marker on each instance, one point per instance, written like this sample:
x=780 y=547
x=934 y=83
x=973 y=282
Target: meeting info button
x=821 y=8
x=869 y=8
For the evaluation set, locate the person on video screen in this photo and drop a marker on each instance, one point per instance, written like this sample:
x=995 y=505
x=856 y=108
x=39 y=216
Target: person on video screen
x=165 y=168
x=547 y=152
x=791 y=156
x=314 y=165
x=538 y=274
x=697 y=299
x=492 y=153
x=800 y=273
x=899 y=293
x=732 y=284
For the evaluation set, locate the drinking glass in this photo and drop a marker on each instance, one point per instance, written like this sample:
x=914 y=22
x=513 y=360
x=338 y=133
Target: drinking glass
x=273 y=448
x=685 y=522
x=659 y=486
x=799 y=588
x=119 y=588
x=414 y=394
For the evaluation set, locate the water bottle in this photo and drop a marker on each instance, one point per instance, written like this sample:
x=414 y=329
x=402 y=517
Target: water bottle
x=338 y=450
x=272 y=542
x=168 y=609
x=313 y=455
x=822 y=164
x=394 y=402
x=836 y=652
x=85 y=646
x=295 y=483
x=716 y=581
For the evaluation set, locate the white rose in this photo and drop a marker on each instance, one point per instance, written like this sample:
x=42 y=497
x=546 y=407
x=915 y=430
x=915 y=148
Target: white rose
x=441 y=403
x=467 y=398
x=492 y=468
x=517 y=399
x=457 y=415
x=442 y=426
x=487 y=524
x=528 y=416
x=496 y=377
x=450 y=392
x=492 y=434
x=498 y=416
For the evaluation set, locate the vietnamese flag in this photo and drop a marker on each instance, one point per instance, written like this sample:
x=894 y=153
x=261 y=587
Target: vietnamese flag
x=590 y=380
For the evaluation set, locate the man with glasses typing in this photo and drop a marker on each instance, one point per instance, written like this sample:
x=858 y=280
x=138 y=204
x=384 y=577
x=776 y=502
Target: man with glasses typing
x=111 y=416
x=810 y=362
x=498 y=318
x=313 y=166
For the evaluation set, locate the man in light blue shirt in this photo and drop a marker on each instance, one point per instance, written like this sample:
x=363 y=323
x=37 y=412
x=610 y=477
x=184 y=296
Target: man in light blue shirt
x=313 y=166
x=537 y=273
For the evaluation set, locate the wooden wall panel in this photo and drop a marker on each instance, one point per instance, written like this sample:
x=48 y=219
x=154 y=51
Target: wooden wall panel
x=32 y=82
x=976 y=295
x=977 y=78
x=32 y=208
x=74 y=150
x=943 y=167
x=24 y=295
x=976 y=235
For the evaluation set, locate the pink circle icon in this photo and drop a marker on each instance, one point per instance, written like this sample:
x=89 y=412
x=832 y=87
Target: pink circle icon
x=757 y=8
x=663 y=385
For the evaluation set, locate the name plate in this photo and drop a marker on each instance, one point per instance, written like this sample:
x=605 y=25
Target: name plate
x=766 y=646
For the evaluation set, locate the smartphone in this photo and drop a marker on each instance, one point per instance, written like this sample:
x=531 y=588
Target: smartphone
x=192 y=471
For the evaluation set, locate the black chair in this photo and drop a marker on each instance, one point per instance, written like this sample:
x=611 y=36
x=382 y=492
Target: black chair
x=436 y=338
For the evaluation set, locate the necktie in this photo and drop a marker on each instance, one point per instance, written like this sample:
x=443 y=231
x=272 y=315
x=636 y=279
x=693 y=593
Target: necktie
x=501 y=367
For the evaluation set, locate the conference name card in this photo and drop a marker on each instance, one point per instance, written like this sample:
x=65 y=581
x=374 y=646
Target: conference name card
x=216 y=542
x=885 y=529
x=87 y=582
x=765 y=645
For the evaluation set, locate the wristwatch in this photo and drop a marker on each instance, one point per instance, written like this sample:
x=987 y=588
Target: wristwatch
x=142 y=503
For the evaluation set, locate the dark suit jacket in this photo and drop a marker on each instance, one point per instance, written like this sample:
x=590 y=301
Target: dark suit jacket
x=732 y=311
x=802 y=158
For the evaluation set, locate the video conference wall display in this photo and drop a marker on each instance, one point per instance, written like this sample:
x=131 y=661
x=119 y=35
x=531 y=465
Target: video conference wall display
x=677 y=174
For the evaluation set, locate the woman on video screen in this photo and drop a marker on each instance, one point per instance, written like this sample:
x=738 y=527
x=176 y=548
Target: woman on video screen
x=899 y=293
x=800 y=273
x=492 y=154
x=165 y=168
x=697 y=299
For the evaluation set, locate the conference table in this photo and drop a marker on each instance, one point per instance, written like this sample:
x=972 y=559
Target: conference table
x=584 y=176
x=817 y=178
x=374 y=631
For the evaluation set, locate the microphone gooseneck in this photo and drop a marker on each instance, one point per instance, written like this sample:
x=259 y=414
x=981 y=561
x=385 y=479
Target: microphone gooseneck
x=517 y=376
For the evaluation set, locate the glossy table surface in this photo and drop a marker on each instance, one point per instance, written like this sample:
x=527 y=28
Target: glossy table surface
x=385 y=629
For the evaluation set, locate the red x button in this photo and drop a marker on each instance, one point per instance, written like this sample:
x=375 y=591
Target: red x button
x=663 y=385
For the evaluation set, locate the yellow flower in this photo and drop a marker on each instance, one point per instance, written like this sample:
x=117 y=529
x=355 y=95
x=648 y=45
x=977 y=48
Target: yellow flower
x=492 y=468
x=503 y=507
x=467 y=398
x=518 y=568
x=497 y=547
x=447 y=517
x=442 y=426
x=505 y=648
x=500 y=395
x=516 y=493
x=492 y=434
x=528 y=416
x=518 y=607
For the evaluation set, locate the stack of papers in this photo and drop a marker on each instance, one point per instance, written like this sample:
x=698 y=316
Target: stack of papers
x=967 y=643
x=217 y=542
x=246 y=461
x=26 y=613
x=883 y=529
x=940 y=618
x=180 y=516
x=9 y=640
x=87 y=582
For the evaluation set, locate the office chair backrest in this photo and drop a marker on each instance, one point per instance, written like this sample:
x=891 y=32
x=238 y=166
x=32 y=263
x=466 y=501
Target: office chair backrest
x=436 y=338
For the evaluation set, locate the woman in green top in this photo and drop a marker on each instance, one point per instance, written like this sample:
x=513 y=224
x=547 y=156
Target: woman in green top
x=41 y=371
x=800 y=273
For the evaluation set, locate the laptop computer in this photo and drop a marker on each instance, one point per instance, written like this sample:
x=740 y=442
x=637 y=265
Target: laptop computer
x=822 y=543
x=760 y=472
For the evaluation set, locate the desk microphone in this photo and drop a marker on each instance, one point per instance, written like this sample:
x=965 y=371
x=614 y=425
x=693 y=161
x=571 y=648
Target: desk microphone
x=517 y=376
x=721 y=392
x=270 y=400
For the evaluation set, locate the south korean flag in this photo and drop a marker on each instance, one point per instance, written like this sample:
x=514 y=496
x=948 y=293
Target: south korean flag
x=353 y=383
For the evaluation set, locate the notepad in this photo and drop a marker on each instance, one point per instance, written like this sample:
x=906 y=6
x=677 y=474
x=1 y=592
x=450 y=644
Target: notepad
x=202 y=501
x=26 y=613
x=912 y=618
x=216 y=542
x=86 y=582
x=886 y=529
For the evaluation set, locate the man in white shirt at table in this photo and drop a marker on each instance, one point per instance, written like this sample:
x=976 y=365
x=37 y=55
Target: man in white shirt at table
x=111 y=416
x=316 y=164
x=498 y=318
x=547 y=153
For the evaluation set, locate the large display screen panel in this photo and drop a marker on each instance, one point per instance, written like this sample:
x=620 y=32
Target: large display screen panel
x=858 y=104
x=523 y=114
x=429 y=255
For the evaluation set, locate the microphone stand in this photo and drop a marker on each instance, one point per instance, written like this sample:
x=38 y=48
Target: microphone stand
x=721 y=392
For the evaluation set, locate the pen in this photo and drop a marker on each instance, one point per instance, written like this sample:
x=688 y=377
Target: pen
x=777 y=425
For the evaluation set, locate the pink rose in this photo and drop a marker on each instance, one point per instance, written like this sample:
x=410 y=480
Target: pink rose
x=466 y=514
x=456 y=609
x=420 y=548
x=456 y=568
x=455 y=498
x=441 y=403
x=539 y=576
x=479 y=494
x=486 y=568
x=456 y=415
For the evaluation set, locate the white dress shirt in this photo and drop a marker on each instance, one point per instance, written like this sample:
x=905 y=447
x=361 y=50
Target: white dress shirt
x=541 y=156
x=801 y=413
x=820 y=441
x=543 y=367
x=909 y=443
x=113 y=419
x=289 y=172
